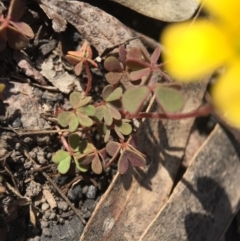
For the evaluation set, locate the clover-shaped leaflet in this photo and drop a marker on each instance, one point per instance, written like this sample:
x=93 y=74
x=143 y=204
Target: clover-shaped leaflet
x=116 y=67
x=121 y=127
x=107 y=110
x=127 y=154
x=64 y=158
x=11 y=30
x=143 y=65
x=94 y=157
x=80 y=114
x=169 y=98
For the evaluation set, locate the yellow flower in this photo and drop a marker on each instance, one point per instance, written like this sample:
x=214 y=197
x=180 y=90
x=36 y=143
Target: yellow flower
x=194 y=50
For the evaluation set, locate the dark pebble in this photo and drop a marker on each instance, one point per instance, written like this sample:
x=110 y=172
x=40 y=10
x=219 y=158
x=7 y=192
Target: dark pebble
x=89 y=204
x=91 y=192
x=75 y=193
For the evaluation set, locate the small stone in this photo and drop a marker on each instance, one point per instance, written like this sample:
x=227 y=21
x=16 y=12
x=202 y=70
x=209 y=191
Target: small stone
x=44 y=224
x=27 y=140
x=61 y=220
x=67 y=214
x=46 y=232
x=37 y=238
x=91 y=193
x=17 y=123
x=62 y=206
x=52 y=216
x=89 y=204
x=84 y=189
x=45 y=206
x=27 y=165
x=17 y=146
x=47 y=214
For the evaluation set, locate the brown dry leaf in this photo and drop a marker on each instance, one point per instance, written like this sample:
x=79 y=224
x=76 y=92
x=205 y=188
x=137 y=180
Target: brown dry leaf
x=32 y=216
x=50 y=198
x=206 y=200
x=96 y=26
x=134 y=199
x=23 y=62
x=59 y=78
x=170 y=10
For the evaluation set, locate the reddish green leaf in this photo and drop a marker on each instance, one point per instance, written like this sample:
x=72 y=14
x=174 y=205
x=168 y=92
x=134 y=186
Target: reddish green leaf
x=122 y=53
x=112 y=64
x=125 y=128
x=134 y=53
x=169 y=99
x=114 y=112
x=107 y=116
x=16 y=9
x=96 y=165
x=113 y=77
x=107 y=91
x=64 y=166
x=79 y=166
x=84 y=120
x=120 y=135
x=16 y=39
x=145 y=54
x=99 y=112
x=139 y=95
x=24 y=28
x=73 y=124
x=88 y=110
x=60 y=156
x=138 y=74
x=114 y=95
x=135 y=158
x=123 y=163
x=65 y=117
x=75 y=99
x=155 y=55
x=73 y=141
x=86 y=160
x=107 y=135
x=112 y=148
x=78 y=68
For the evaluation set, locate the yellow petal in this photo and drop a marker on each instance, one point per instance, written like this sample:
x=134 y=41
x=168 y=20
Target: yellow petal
x=226 y=10
x=226 y=95
x=194 y=50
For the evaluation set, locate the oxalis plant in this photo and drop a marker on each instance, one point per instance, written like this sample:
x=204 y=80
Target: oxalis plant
x=133 y=77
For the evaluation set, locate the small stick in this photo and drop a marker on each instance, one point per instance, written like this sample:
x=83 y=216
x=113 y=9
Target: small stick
x=64 y=197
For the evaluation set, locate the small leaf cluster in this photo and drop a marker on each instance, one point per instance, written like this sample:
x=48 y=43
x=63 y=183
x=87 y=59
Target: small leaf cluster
x=82 y=153
x=112 y=116
x=12 y=31
x=137 y=65
x=80 y=113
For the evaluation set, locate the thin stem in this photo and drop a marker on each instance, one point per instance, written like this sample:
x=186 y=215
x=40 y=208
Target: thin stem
x=89 y=76
x=202 y=111
x=64 y=142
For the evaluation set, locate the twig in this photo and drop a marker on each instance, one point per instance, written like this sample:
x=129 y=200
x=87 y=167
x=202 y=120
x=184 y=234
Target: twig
x=64 y=197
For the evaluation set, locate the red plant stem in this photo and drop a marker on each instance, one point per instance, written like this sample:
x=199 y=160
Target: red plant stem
x=89 y=76
x=202 y=111
x=64 y=142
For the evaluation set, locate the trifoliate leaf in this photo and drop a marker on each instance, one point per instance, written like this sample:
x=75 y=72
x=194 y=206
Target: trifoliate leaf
x=133 y=99
x=170 y=99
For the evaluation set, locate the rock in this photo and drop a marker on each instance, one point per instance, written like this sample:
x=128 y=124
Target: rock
x=63 y=206
x=91 y=192
x=45 y=206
